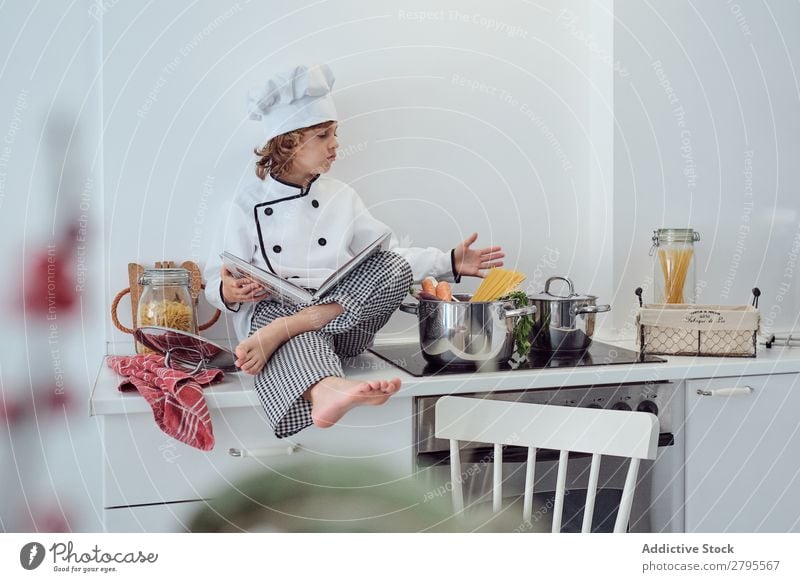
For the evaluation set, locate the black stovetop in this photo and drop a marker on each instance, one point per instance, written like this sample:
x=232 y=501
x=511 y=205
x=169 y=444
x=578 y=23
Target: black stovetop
x=408 y=357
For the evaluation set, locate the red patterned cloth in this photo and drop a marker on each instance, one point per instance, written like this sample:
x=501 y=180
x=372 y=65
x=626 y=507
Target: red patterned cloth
x=176 y=397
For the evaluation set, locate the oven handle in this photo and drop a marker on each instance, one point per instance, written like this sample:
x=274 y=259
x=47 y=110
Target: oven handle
x=738 y=391
x=513 y=453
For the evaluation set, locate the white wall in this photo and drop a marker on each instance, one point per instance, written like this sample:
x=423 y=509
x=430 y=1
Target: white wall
x=708 y=137
x=469 y=117
x=476 y=117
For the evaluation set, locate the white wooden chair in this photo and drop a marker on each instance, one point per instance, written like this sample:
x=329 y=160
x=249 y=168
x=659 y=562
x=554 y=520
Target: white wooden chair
x=597 y=431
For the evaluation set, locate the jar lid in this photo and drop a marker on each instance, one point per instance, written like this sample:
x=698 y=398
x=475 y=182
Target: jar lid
x=679 y=235
x=172 y=276
x=548 y=295
x=185 y=350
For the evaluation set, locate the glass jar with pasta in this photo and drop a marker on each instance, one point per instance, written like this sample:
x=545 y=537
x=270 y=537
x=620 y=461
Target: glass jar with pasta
x=166 y=301
x=673 y=266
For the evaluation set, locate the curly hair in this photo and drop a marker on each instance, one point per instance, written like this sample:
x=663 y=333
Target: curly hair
x=276 y=155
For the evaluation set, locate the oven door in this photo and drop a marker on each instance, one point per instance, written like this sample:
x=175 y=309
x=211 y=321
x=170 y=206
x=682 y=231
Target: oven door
x=658 y=499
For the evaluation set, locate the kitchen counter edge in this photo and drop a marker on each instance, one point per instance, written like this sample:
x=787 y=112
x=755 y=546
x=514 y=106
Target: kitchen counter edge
x=237 y=389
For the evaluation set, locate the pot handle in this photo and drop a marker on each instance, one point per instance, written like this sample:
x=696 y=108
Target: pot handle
x=587 y=309
x=530 y=310
x=567 y=280
x=412 y=308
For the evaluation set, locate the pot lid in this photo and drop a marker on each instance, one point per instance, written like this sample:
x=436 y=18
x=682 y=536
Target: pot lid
x=184 y=350
x=562 y=295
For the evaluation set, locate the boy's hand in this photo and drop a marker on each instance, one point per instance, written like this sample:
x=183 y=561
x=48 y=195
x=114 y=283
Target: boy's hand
x=473 y=261
x=241 y=290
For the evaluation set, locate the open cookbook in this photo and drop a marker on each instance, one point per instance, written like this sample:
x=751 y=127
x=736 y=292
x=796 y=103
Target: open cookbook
x=281 y=289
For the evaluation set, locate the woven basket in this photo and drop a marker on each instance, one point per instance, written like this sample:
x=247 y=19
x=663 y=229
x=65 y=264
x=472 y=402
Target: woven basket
x=698 y=330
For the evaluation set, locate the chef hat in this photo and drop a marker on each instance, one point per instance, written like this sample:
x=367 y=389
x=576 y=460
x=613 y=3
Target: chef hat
x=293 y=99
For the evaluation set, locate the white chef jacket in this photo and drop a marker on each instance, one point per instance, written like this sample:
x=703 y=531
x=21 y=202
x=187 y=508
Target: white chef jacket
x=303 y=235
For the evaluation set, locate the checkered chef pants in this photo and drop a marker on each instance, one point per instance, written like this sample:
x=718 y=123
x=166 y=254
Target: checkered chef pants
x=369 y=296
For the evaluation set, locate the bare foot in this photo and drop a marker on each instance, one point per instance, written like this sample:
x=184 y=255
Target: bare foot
x=332 y=397
x=256 y=350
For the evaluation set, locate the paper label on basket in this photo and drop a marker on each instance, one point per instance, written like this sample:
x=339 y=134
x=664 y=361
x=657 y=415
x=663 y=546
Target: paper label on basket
x=704 y=316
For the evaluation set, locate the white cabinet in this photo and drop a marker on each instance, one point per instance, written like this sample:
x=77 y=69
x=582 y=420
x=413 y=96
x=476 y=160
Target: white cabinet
x=742 y=439
x=151 y=481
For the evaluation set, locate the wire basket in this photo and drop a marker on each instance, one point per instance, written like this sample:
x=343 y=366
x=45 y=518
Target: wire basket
x=698 y=330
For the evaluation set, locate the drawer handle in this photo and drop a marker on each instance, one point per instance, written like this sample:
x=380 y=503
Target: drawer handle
x=265 y=452
x=739 y=391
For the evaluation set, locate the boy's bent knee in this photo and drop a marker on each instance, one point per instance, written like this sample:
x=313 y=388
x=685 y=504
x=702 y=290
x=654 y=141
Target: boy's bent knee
x=399 y=267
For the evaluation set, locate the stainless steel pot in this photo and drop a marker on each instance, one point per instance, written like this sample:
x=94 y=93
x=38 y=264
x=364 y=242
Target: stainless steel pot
x=463 y=332
x=563 y=323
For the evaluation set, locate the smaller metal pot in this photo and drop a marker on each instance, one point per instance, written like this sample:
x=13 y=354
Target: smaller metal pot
x=464 y=332
x=563 y=323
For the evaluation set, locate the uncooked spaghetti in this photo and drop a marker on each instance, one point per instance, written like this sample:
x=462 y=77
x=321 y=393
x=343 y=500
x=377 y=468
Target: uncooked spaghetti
x=675 y=267
x=498 y=282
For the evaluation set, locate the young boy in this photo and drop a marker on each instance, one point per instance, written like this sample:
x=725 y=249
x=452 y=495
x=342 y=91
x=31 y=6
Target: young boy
x=301 y=225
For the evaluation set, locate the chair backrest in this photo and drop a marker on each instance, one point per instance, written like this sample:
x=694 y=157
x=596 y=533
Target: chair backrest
x=586 y=430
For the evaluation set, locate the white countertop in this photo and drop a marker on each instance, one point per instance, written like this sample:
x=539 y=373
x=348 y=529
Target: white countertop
x=237 y=389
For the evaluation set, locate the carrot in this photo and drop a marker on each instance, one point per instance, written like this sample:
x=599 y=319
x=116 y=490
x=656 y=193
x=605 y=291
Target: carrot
x=429 y=285
x=443 y=291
